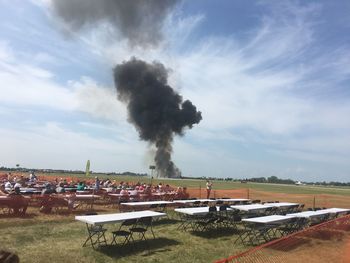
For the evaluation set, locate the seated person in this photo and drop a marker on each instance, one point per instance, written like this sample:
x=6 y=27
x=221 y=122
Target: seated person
x=19 y=204
x=124 y=194
x=47 y=203
x=18 y=184
x=134 y=194
x=48 y=190
x=8 y=186
x=81 y=186
x=60 y=189
x=179 y=193
x=124 y=191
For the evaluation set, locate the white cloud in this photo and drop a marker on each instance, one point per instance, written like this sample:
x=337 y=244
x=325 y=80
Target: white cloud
x=54 y=146
x=98 y=101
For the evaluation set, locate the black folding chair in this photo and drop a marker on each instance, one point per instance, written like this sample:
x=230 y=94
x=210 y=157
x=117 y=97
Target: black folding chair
x=301 y=208
x=162 y=209
x=253 y=234
x=121 y=232
x=205 y=203
x=187 y=221
x=153 y=207
x=142 y=226
x=96 y=235
x=223 y=217
x=233 y=218
x=203 y=223
x=196 y=203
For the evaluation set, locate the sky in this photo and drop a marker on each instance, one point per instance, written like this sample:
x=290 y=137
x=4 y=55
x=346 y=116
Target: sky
x=271 y=79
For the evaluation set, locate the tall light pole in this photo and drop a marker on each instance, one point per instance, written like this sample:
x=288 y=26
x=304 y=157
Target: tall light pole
x=152 y=167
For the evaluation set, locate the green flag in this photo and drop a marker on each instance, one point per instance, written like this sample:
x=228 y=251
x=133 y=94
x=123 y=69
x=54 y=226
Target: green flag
x=87 y=171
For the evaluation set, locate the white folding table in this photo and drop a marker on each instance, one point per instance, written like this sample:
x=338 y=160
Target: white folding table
x=94 y=223
x=318 y=213
x=310 y=214
x=272 y=219
x=336 y=210
x=260 y=229
x=233 y=199
x=85 y=199
x=116 y=218
x=251 y=207
x=193 y=211
x=193 y=201
x=282 y=204
x=146 y=203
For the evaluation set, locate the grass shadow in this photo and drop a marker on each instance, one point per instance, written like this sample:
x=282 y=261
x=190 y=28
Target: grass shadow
x=215 y=233
x=26 y=216
x=164 y=221
x=150 y=246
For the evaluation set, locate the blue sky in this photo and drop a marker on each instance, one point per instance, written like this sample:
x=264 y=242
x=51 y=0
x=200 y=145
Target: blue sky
x=270 y=77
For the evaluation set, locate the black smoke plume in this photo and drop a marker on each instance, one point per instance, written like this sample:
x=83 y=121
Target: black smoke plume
x=155 y=109
x=139 y=21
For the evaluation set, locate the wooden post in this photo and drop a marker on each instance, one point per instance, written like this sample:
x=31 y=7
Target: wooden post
x=314 y=203
x=200 y=190
x=247 y=193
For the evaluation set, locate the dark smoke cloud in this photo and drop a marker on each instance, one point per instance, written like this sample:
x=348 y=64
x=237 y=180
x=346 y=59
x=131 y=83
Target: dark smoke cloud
x=155 y=109
x=140 y=21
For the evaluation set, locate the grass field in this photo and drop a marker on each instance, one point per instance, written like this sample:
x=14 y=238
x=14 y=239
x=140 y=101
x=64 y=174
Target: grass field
x=59 y=238
x=221 y=185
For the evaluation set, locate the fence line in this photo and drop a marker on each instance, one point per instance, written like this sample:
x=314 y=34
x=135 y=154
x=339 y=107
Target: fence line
x=256 y=254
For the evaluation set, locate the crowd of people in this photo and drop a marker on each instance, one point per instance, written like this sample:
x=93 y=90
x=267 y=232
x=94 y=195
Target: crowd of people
x=52 y=191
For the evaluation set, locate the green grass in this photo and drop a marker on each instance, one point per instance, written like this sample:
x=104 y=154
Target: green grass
x=217 y=185
x=59 y=239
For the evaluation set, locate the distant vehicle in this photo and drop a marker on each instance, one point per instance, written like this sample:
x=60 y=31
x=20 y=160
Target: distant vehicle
x=298 y=183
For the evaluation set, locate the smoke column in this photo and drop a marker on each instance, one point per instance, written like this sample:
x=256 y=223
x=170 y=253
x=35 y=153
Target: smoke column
x=139 y=21
x=155 y=109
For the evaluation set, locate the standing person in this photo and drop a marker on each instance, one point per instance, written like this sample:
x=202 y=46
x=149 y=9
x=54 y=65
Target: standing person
x=97 y=184
x=209 y=186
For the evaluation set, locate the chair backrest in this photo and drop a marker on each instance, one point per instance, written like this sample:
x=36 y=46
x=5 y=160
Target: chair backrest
x=301 y=207
x=223 y=208
x=129 y=222
x=145 y=221
x=91 y=214
x=302 y=222
x=206 y=203
x=220 y=202
x=212 y=209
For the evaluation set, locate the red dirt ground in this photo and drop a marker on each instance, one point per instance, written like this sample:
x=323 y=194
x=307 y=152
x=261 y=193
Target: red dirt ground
x=322 y=200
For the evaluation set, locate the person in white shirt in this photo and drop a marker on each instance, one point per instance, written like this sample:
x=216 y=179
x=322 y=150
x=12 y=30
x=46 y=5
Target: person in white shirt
x=209 y=185
x=17 y=185
x=8 y=186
